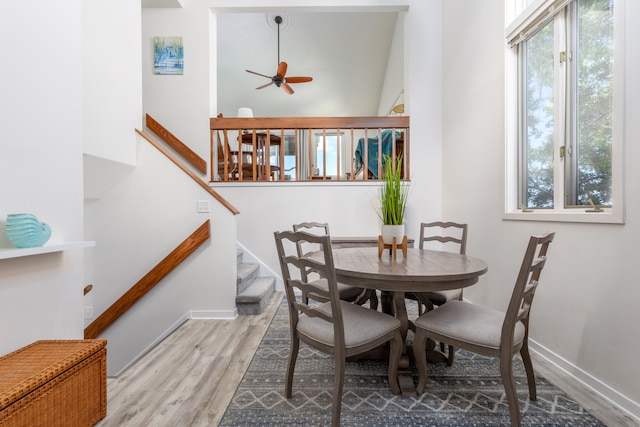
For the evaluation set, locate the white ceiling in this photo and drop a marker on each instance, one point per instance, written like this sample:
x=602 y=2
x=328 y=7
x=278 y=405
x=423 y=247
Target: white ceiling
x=345 y=53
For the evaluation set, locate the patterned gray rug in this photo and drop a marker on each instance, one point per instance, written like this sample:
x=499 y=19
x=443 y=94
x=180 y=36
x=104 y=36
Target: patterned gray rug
x=469 y=393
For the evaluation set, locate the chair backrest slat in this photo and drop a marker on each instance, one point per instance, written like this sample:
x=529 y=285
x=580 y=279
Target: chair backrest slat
x=304 y=248
x=437 y=236
x=526 y=284
x=319 y=228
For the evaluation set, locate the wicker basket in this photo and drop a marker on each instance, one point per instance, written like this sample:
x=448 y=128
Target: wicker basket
x=54 y=383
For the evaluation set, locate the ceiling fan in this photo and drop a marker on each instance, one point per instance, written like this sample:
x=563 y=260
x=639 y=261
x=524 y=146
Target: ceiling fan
x=280 y=79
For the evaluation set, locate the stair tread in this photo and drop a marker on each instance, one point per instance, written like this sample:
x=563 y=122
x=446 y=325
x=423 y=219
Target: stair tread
x=246 y=269
x=247 y=273
x=257 y=290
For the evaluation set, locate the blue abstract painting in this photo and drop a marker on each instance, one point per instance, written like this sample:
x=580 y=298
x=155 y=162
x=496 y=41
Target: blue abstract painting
x=168 y=55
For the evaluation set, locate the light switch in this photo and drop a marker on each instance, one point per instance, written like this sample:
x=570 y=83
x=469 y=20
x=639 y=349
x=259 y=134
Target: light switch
x=204 y=206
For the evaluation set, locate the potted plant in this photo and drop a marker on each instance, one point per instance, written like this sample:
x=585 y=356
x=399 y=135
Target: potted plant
x=393 y=196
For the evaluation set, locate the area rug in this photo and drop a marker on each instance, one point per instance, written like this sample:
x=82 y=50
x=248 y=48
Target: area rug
x=469 y=393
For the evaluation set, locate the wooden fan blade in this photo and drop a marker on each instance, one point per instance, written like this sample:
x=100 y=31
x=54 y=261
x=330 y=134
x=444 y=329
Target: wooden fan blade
x=257 y=74
x=282 y=70
x=298 y=79
x=263 y=86
x=287 y=88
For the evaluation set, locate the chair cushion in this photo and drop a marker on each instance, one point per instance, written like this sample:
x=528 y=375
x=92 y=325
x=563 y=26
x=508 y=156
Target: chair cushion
x=346 y=292
x=444 y=296
x=361 y=325
x=463 y=321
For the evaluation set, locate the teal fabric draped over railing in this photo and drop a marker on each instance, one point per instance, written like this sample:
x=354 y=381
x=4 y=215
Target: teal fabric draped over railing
x=372 y=150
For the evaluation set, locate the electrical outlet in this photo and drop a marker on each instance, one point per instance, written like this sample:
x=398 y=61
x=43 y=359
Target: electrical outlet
x=204 y=206
x=88 y=312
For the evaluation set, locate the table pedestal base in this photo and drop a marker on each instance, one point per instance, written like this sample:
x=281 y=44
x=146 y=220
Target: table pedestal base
x=393 y=303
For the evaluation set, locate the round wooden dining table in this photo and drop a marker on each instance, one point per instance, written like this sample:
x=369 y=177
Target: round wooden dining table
x=421 y=270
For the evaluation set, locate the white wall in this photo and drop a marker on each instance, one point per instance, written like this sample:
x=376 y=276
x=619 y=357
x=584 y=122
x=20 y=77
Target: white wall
x=41 y=168
x=138 y=223
x=394 y=77
x=142 y=214
x=111 y=79
x=180 y=103
x=349 y=210
x=585 y=314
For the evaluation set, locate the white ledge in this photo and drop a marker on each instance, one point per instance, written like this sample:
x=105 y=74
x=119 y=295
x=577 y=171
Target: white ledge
x=7 y=253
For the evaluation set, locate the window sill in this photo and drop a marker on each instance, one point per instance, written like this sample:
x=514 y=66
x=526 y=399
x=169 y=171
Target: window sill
x=573 y=215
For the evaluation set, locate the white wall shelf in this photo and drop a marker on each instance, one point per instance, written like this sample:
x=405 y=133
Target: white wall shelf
x=7 y=253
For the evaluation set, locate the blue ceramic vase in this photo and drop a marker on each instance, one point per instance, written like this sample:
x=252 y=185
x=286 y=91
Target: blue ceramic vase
x=25 y=231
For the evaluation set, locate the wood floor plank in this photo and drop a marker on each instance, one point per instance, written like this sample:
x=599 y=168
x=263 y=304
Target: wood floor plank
x=190 y=377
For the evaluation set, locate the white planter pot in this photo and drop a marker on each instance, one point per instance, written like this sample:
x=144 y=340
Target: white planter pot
x=388 y=232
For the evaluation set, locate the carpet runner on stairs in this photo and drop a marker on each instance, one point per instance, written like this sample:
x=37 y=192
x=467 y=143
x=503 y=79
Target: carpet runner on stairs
x=253 y=291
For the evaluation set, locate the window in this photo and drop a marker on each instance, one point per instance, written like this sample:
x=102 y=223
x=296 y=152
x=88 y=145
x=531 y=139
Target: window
x=563 y=148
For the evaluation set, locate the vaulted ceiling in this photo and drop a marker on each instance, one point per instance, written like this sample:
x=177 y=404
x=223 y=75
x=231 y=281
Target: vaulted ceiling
x=346 y=54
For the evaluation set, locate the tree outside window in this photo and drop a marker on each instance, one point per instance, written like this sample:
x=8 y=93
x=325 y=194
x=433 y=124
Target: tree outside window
x=566 y=104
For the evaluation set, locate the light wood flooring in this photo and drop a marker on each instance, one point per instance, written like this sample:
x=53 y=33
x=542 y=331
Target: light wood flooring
x=189 y=378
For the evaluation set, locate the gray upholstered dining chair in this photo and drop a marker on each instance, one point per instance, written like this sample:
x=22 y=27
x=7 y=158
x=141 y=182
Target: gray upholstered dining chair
x=487 y=331
x=334 y=327
x=451 y=235
x=347 y=292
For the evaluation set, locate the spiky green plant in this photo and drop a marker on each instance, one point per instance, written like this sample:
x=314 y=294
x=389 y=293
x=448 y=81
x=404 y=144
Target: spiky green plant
x=394 y=192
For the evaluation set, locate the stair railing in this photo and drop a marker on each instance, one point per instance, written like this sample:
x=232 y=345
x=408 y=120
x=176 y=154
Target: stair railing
x=241 y=147
x=148 y=282
x=189 y=155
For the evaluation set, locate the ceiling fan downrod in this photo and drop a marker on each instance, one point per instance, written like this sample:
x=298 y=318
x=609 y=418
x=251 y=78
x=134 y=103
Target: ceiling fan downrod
x=278 y=20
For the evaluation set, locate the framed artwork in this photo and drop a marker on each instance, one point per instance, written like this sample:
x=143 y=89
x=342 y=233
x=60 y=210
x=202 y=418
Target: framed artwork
x=168 y=55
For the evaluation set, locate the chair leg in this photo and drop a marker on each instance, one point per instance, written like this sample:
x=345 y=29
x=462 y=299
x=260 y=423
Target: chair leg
x=528 y=367
x=368 y=295
x=420 y=352
x=338 y=381
x=293 y=356
x=373 y=300
x=423 y=301
x=395 y=354
x=451 y=355
x=506 y=372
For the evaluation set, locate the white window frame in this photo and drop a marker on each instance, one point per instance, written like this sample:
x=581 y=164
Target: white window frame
x=516 y=25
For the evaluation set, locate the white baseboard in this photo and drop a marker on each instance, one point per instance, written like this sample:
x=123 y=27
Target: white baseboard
x=588 y=381
x=214 y=314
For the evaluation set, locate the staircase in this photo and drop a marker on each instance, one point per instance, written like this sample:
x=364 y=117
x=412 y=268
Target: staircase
x=253 y=291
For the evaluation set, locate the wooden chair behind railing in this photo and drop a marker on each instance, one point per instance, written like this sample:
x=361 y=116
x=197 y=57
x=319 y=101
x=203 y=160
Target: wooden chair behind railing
x=259 y=135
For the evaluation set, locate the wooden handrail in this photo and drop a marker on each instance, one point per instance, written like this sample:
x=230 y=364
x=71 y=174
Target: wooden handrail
x=232 y=123
x=199 y=181
x=196 y=161
x=152 y=278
